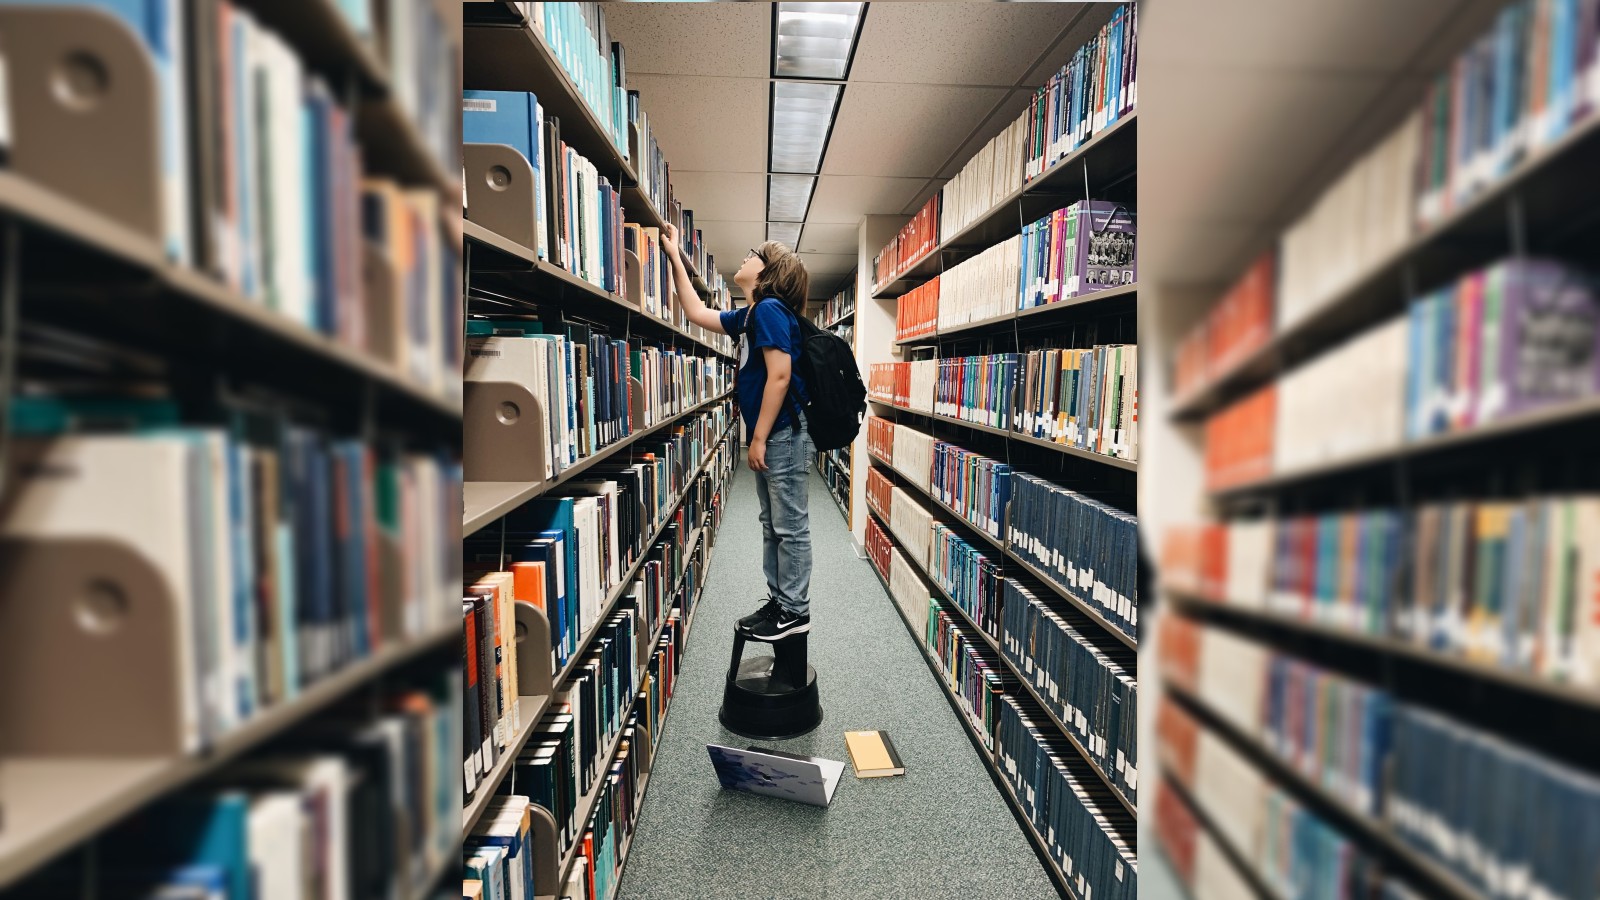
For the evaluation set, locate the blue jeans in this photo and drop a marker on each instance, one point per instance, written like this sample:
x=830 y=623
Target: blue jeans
x=785 y=523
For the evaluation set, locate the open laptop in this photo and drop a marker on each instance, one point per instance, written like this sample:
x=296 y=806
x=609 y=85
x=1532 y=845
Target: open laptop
x=773 y=773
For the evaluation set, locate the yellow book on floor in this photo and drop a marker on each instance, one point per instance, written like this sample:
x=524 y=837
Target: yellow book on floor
x=872 y=754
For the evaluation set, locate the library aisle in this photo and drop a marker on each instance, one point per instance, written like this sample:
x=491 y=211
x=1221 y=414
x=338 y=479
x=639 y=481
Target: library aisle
x=880 y=836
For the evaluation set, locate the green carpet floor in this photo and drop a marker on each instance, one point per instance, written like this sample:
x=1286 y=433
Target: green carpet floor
x=941 y=831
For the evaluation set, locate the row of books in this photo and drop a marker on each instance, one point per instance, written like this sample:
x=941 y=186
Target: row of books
x=1086 y=247
x=376 y=782
x=263 y=184
x=1084 y=398
x=1081 y=544
x=977 y=487
x=1091 y=690
x=1238 y=325
x=596 y=66
x=286 y=553
x=1500 y=342
x=1405 y=765
x=1518 y=336
x=1494 y=581
x=917 y=311
x=983 y=287
x=585 y=381
x=969 y=576
x=1083 y=828
x=890 y=383
x=992 y=175
x=1093 y=91
x=498 y=854
x=912 y=454
x=915 y=240
x=1511 y=93
x=571 y=547
x=838 y=306
x=971 y=669
x=912 y=524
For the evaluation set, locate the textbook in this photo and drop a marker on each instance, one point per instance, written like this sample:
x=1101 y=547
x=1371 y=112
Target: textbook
x=872 y=754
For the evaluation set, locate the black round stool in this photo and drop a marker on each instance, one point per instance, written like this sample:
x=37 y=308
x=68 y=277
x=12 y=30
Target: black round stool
x=771 y=698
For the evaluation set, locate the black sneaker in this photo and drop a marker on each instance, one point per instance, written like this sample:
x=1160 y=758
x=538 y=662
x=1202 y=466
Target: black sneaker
x=761 y=615
x=780 y=625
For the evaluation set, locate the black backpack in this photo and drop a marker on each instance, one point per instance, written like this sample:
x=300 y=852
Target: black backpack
x=838 y=396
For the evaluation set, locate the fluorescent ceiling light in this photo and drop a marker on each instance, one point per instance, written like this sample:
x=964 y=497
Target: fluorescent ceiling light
x=814 y=40
x=785 y=233
x=802 y=113
x=788 y=197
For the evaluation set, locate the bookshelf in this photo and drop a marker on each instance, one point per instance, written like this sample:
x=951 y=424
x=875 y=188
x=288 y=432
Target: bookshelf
x=106 y=280
x=505 y=52
x=1108 y=161
x=1524 y=459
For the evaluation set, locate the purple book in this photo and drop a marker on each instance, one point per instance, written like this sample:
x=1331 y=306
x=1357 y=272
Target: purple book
x=1549 y=335
x=1105 y=246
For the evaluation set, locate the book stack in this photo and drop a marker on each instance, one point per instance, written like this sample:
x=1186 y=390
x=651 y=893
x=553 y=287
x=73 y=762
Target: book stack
x=1357 y=222
x=883 y=381
x=912 y=524
x=924 y=375
x=1237 y=326
x=916 y=239
x=879 y=490
x=1238 y=440
x=970 y=577
x=498 y=853
x=880 y=438
x=917 y=311
x=489 y=659
x=655 y=175
x=991 y=176
x=983 y=287
x=972 y=670
x=656 y=281
x=1086 y=247
x=1501 y=342
x=1317 y=423
x=1095 y=89
x=661 y=675
x=913 y=455
x=577 y=37
x=266 y=535
x=1093 y=692
x=378 y=791
x=979 y=389
x=976 y=487
x=1085 y=546
x=1084 y=398
x=1082 y=826
x=1516 y=793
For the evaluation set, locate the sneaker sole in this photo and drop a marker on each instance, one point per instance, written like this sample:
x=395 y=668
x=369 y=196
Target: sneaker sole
x=788 y=632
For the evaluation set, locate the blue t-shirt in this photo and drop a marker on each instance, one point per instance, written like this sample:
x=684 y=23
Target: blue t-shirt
x=765 y=324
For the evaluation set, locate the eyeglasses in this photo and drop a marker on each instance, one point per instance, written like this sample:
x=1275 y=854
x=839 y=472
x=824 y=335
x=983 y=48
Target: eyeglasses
x=757 y=254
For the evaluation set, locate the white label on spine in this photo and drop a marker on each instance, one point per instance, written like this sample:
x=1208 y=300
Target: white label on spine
x=475 y=104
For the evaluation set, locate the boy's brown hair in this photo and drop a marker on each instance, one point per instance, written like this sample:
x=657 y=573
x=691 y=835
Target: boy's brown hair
x=784 y=276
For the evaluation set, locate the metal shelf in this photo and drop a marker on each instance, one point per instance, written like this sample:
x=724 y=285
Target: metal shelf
x=53 y=804
x=486 y=501
x=994 y=645
x=1114 y=461
x=532 y=710
x=1036 y=316
x=1109 y=156
x=1083 y=606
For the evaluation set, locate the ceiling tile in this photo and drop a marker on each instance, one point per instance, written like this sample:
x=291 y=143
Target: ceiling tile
x=693 y=38
x=999 y=41
x=826 y=270
x=844 y=199
x=727 y=196
x=689 y=116
x=828 y=238
x=1348 y=36
x=902 y=129
x=928 y=190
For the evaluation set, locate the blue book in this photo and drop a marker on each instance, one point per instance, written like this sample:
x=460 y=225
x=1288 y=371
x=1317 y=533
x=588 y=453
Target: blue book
x=503 y=117
x=551 y=517
x=551 y=554
x=191 y=832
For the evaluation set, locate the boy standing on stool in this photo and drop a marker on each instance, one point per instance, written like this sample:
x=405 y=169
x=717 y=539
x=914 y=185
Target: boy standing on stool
x=771 y=395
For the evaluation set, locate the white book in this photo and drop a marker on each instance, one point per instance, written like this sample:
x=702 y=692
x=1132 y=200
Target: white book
x=276 y=840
